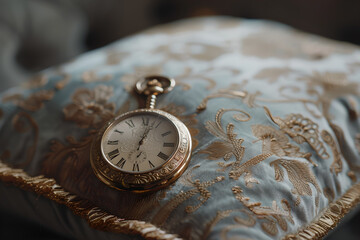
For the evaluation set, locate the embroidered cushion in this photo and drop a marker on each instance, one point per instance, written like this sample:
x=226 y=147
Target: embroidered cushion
x=273 y=114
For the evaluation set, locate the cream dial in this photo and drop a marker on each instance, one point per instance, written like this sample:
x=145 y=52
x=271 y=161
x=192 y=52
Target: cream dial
x=140 y=143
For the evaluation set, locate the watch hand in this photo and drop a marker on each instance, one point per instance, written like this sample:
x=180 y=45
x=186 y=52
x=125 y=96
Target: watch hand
x=146 y=132
x=142 y=138
x=140 y=143
x=139 y=155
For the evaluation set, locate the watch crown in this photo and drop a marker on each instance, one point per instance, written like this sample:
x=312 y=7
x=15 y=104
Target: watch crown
x=165 y=83
x=152 y=86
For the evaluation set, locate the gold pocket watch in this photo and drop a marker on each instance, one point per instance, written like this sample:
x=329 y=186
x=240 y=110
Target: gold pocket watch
x=145 y=149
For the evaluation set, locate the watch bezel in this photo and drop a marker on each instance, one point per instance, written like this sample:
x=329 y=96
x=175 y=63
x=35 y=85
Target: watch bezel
x=143 y=181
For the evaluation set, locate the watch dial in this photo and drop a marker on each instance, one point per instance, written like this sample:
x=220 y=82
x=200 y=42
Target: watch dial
x=140 y=143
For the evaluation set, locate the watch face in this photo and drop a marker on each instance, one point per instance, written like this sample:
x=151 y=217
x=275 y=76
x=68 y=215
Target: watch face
x=139 y=142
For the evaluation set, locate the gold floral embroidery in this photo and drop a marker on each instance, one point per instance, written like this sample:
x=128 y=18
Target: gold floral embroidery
x=233 y=91
x=191 y=50
x=273 y=74
x=96 y=217
x=65 y=161
x=299 y=175
x=328 y=86
x=329 y=194
x=301 y=130
x=271 y=217
x=352 y=176
x=35 y=82
x=357 y=141
x=352 y=107
x=277 y=143
x=336 y=166
x=197 y=187
x=343 y=150
x=250 y=221
x=22 y=123
x=63 y=82
x=92 y=76
x=203 y=75
x=192 y=76
x=210 y=224
x=322 y=87
x=114 y=57
x=90 y=107
x=287 y=44
x=231 y=146
x=33 y=103
x=236 y=91
x=245 y=168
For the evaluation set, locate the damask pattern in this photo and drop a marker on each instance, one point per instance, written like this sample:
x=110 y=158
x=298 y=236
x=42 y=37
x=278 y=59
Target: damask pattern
x=90 y=108
x=273 y=113
x=32 y=103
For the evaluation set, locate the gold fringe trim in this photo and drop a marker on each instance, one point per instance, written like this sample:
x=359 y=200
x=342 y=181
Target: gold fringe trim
x=101 y=220
x=96 y=217
x=330 y=217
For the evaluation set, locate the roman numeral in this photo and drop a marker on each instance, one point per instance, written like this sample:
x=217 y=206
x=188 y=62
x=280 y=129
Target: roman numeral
x=113 y=154
x=169 y=144
x=145 y=121
x=166 y=133
x=151 y=165
x=121 y=132
x=113 y=142
x=163 y=156
x=130 y=123
x=136 y=167
x=121 y=163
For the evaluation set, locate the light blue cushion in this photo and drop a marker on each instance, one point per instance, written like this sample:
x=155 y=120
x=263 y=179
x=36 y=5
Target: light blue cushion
x=274 y=115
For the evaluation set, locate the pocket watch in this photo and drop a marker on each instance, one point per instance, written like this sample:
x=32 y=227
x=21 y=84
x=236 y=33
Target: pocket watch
x=145 y=149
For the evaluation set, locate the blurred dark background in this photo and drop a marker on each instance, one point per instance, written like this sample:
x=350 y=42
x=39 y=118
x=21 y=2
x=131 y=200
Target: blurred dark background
x=35 y=34
x=337 y=19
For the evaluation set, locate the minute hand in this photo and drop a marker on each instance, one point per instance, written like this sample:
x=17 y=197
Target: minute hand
x=144 y=136
x=147 y=130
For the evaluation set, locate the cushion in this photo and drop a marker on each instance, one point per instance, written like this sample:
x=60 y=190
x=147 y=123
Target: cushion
x=273 y=113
